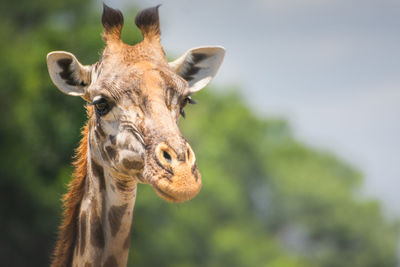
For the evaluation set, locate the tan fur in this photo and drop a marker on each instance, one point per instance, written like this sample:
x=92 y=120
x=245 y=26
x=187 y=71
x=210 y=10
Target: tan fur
x=131 y=137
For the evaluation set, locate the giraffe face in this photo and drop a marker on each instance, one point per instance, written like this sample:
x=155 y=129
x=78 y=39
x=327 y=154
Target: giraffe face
x=134 y=128
x=136 y=98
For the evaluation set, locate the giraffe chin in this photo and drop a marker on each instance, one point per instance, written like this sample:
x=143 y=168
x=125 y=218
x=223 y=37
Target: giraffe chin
x=180 y=189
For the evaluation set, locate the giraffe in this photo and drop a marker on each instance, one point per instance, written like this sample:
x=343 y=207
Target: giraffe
x=134 y=99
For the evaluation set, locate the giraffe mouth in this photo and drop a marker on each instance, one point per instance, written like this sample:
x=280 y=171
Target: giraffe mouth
x=176 y=189
x=163 y=194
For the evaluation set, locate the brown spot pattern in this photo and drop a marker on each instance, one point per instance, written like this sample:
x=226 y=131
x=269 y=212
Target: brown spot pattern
x=111 y=152
x=124 y=185
x=112 y=139
x=97 y=135
x=97 y=234
x=127 y=241
x=135 y=165
x=115 y=215
x=98 y=171
x=83 y=232
x=110 y=262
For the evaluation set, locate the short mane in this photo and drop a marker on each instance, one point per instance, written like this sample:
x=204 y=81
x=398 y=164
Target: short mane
x=62 y=255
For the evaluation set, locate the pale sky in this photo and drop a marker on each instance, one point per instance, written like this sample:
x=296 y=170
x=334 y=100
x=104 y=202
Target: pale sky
x=331 y=68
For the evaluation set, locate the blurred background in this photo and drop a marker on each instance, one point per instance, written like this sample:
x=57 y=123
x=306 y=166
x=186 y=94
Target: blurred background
x=297 y=139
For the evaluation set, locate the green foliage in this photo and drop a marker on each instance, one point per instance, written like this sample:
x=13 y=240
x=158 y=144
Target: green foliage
x=267 y=200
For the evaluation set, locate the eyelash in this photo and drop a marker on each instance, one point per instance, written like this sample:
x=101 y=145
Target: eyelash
x=187 y=100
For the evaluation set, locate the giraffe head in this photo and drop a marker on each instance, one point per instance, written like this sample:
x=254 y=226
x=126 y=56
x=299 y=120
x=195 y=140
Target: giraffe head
x=135 y=98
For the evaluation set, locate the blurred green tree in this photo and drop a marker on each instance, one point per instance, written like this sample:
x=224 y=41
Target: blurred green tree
x=267 y=200
x=38 y=126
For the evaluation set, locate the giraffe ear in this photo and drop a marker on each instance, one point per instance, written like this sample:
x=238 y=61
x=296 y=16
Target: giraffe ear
x=68 y=74
x=198 y=66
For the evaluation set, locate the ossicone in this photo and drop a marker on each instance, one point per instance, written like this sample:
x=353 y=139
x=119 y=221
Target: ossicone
x=148 y=22
x=112 y=20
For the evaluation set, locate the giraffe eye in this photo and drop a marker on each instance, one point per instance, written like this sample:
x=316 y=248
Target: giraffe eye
x=101 y=105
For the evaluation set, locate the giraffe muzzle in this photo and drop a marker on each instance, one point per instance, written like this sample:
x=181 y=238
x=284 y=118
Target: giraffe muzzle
x=180 y=179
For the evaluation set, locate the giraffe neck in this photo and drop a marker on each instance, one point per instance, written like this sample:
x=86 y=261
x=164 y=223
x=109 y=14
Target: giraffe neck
x=98 y=215
x=105 y=216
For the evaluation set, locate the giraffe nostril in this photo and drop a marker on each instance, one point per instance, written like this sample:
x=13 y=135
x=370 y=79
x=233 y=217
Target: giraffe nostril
x=188 y=153
x=167 y=156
